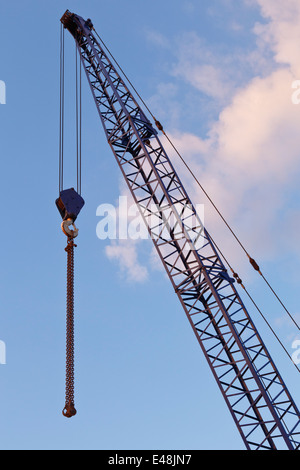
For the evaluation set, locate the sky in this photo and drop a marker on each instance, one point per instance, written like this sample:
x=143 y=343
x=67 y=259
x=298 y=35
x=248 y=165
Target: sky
x=221 y=75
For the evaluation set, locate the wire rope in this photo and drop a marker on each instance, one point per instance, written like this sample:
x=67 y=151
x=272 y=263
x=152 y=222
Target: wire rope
x=61 y=108
x=251 y=260
x=160 y=127
x=78 y=119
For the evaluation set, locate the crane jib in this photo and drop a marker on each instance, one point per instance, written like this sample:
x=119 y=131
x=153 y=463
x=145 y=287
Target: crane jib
x=254 y=391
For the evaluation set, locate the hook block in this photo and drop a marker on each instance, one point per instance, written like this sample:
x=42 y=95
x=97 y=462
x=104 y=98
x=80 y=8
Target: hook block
x=69 y=204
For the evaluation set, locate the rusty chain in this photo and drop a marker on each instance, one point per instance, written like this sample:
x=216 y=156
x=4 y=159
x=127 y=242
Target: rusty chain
x=69 y=409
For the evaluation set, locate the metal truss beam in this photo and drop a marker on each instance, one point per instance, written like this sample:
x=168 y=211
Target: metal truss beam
x=256 y=395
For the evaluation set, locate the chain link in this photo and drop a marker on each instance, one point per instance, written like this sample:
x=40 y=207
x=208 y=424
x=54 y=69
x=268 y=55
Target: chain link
x=69 y=409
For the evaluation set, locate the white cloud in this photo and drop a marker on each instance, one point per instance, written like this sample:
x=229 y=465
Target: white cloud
x=157 y=38
x=282 y=32
x=257 y=134
x=126 y=254
x=122 y=249
x=249 y=160
x=200 y=67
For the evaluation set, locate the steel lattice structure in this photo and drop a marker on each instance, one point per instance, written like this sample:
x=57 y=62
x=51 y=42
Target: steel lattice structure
x=257 y=397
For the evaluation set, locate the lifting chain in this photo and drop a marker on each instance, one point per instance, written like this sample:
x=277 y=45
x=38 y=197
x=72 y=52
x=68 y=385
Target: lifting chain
x=69 y=409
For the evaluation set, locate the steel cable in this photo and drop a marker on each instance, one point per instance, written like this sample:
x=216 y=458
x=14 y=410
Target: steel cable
x=251 y=260
x=61 y=109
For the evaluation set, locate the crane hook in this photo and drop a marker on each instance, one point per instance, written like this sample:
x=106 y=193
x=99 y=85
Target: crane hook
x=67 y=231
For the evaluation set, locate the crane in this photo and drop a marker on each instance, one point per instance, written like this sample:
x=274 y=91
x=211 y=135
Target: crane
x=256 y=395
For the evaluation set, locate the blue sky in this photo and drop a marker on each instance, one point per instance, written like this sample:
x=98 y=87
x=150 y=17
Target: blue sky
x=219 y=76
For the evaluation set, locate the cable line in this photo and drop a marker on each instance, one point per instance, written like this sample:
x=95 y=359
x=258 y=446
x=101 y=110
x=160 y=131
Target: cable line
x=78 y=114
x=251 y=260
x=257 y=397
x=240 y=282
x=160 y=127
x=69 y=204
x=61 y=107
x=78 y=118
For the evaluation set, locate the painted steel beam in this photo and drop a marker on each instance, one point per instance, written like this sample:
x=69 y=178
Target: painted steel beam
x=256 y=395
